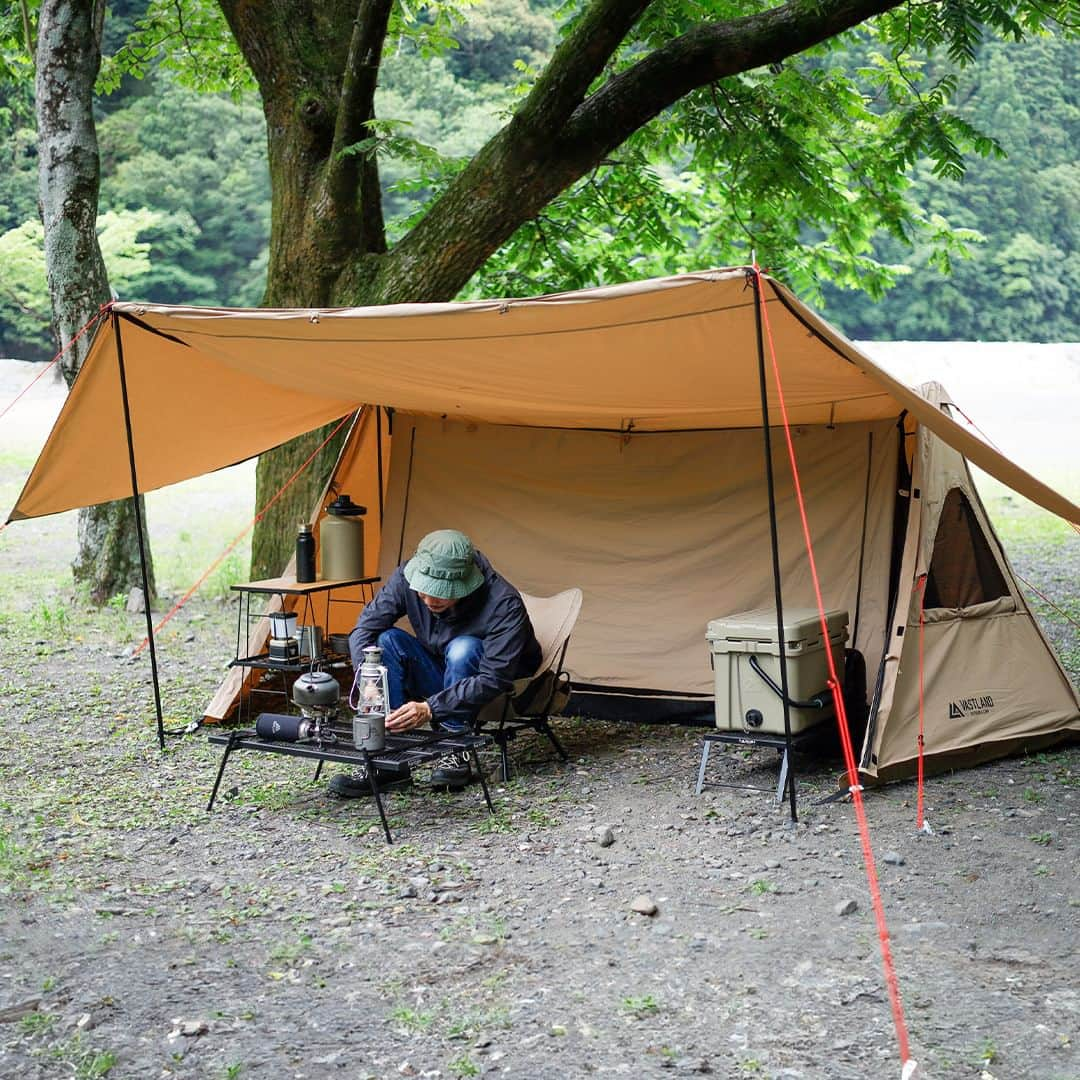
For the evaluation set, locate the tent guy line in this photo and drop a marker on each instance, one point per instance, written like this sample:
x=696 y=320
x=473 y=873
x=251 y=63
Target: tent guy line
x=101 y=312
x=173 y=611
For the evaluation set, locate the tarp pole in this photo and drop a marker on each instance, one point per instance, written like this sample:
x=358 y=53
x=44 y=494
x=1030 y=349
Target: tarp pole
x=378 y=458
x=778 y=591
x=139 y=529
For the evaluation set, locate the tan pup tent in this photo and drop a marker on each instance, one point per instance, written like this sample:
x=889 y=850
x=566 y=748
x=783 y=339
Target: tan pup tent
x=613 y=439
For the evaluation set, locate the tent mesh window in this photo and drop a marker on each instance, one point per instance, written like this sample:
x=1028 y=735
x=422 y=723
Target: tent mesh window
x=963 y=570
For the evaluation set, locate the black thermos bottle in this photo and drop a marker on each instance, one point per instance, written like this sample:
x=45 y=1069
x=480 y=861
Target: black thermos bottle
x=305 y=553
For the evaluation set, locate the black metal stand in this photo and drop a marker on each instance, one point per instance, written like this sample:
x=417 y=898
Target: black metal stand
x=474 y=757
x=304 y=594
x=508 y=730
x=536 y=717
x=398 y=756
x=784 y=745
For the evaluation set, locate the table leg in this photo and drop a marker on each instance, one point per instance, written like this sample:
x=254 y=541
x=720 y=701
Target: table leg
x=378 y=797
x=704 y=761
x=785 y=778
x=504 y=753
x=475 y=755
x=221 y=772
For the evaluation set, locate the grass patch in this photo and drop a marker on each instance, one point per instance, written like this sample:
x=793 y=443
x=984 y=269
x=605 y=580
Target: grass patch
x=495 y=823
x=463 y=1065
x=21 y=866
x=290 y=951
x=84 y=1062
x=645 y=1005
x=37 y=1023
x=17 y=461
x=413 y=1019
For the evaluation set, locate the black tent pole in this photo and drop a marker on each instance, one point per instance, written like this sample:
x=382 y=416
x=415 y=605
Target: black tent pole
x=378 y=457
x=139 y=529
x=774 y=537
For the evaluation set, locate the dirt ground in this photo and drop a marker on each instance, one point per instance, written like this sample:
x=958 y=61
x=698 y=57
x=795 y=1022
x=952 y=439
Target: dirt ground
x=280 y=936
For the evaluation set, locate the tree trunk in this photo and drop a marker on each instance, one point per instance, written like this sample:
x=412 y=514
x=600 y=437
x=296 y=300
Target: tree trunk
x=324 y=212
x=68 y=59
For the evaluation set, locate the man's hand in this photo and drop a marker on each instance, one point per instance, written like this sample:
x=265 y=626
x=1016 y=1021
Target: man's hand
x=411 y=714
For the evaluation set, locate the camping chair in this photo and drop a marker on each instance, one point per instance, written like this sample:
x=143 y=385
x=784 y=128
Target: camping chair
x=532 y=702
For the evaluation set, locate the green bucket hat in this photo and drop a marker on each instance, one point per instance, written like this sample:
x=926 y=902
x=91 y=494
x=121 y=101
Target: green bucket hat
x=443 y=566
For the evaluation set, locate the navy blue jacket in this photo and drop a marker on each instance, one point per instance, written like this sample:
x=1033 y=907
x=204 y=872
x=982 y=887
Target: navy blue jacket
x=494 y=613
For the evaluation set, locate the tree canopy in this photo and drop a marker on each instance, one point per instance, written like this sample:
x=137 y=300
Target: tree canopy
x=760 y=162
x=1022 y=279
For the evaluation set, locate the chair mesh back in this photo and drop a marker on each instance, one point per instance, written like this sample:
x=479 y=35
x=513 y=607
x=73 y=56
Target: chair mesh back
x=553 y=619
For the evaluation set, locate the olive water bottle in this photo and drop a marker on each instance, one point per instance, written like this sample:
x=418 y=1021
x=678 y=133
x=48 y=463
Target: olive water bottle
x=305 y=553
x=341 y=540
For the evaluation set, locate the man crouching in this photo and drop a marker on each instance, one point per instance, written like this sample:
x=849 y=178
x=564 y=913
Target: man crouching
x=472 y=639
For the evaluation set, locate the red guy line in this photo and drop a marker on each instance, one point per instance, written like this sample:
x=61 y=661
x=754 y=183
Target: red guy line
x=103 y=310
x=845 y=736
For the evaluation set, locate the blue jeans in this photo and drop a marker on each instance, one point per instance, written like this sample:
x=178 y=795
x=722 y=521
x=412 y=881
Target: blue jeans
x=413 y=674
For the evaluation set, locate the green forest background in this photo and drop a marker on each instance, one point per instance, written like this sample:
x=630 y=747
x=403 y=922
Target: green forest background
x=185 y=200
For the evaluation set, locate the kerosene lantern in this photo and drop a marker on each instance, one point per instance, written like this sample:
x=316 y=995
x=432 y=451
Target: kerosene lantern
x=370 y=698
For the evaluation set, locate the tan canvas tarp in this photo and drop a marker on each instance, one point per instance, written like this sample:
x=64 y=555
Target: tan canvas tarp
x=209 y=387
x=988 y=679
x=664 y=531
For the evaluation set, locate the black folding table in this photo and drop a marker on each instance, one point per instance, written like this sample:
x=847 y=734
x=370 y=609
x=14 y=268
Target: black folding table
x=401 y=752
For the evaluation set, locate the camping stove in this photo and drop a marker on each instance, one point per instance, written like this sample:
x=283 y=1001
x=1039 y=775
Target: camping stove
x=316 y=694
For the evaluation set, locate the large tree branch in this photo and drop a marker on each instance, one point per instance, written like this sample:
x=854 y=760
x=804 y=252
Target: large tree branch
x=353 y=180
x=299 y=51
x=577 y=62
x=707 y=53
x=515 y=174
x=296 y=51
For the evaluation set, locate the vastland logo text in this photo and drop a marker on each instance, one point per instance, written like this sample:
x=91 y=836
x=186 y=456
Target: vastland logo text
x=970 y=706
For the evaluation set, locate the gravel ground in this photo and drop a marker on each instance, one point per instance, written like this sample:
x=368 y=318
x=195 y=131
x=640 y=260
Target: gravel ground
x=281 y=937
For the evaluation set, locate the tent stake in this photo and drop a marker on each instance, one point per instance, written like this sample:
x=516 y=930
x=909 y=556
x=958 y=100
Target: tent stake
x=775 y=542
x=139 y=530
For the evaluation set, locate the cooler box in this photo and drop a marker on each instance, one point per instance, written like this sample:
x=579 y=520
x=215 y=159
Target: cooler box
x=744 y=700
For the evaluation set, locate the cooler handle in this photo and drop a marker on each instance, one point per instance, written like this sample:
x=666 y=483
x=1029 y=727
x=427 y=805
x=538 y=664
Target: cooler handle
x=817 y=702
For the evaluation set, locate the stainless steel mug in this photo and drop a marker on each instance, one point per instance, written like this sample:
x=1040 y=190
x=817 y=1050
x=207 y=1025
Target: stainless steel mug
x=309 y=640
x=369 y=731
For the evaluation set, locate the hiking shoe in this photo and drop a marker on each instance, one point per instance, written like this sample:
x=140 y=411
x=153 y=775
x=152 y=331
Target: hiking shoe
x=358 y=784
x=452 y=770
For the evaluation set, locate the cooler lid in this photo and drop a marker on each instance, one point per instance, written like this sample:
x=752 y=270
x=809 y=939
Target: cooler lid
x=800 y=624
